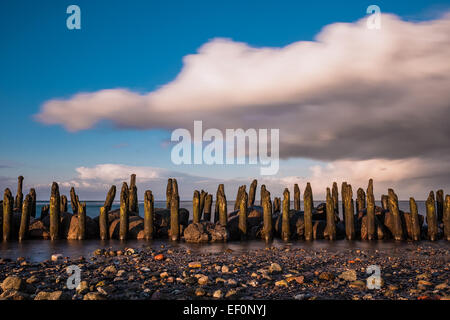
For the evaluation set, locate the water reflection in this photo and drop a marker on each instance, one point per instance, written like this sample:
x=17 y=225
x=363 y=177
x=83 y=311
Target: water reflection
x=39 y=250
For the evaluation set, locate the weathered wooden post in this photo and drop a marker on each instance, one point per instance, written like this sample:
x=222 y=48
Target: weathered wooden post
x=103 y=222
x=296 y=197
x=63 y=205
x=124 y=219
x=133 y=205
x=447 y=218
x=252 y=193
x=25 y=218
x=308 y=204
x=81 y=220
x=415 y=225
x=343 y=195
x=149 y=202
x=393 y=208
x=267 y=214
x=285 y=227
x=331 y=224
x=208 y=205
x=19 y=196
x=8 y=204
x=216 y=206
x=384 y=202
x=220 y=189
x=335 y=197
x=276 y=204
x=73 y=201
x=223 y=213
x=263 y=192
x=349 y=212
x=237 y=202
x=431 y=217
x=196 y=207
x=33 y=202
x=360 y=200
x=202 y=198
x=55 y=203
x=439 y=205
x=174 y=212
x=168 y=193
x=44 y=211
x=110 y=198
x=243 y=215
x=370 y=212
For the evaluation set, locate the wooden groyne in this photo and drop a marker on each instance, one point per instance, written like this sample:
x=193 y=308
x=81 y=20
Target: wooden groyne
x=356 y=219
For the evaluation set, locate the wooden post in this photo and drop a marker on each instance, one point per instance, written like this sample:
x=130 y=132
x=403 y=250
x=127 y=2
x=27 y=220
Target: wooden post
x=81 y=220
x=370 y=212
x=8 y=204
x=223 y=213
x=243 y=214
x=103 y=221
x=447 y=218
x=196 y=207
x=252 y=193
x=343 y=195
x=133 y=205
x=63 y=205
x=55 y=203
x=349 y=212
x=220 y=189
x=168 y=193
x=124 y=219
x=431 y=217
x=267 y=214
x=174 y=212
x=149 y=202
x=263 y=192
x=237 y=202
x=44 y=211
x=439 y=205
x=19 y=197
x=296 y=197
x=203 y=195
x=308 y=204
x=360 y=200
x=25 y=218
x=385 y=202
x=276 y=204
x=331 y=224
x=335 y=197
x=414 y=220
x=393 y=208
x=110 y=198
x=208 y=205
x=33 y=202
x=285 y=227
x=73 y=201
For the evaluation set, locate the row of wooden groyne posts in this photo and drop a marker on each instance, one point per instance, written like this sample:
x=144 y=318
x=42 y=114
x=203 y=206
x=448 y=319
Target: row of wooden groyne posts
x=362 y=219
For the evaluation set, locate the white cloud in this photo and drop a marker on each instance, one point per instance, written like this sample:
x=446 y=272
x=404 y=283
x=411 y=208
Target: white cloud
x=352 y=93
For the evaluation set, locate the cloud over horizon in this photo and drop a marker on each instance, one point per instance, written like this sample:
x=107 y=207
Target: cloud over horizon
x=355 y=98
x=405 y=176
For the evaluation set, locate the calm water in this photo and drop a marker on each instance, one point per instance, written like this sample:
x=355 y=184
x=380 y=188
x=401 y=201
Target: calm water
x=39 y=250
x=93 y=207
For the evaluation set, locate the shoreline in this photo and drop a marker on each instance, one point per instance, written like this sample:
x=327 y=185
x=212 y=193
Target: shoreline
x=168 y=271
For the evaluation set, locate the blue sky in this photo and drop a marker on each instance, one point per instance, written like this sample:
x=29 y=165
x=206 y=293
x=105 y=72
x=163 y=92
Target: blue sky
x=137 y=45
